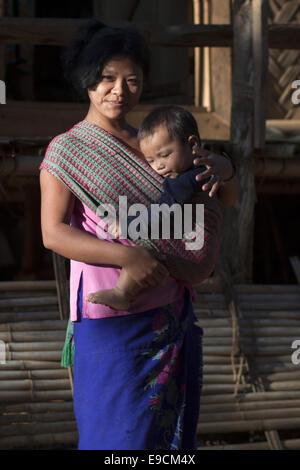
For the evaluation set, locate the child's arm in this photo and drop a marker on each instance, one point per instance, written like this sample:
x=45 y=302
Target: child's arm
x=176 y=191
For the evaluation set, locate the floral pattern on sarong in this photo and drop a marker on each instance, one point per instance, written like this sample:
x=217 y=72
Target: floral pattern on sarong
x=167 y=378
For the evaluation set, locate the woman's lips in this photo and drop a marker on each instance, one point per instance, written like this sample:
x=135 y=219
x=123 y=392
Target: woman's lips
x=117 y=104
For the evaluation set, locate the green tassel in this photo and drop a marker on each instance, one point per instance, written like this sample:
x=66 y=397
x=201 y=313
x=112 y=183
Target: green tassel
x=68 y=352
x=67 y=357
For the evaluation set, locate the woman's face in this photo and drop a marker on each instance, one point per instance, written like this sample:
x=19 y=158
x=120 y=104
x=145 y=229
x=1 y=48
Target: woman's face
x=119 y=89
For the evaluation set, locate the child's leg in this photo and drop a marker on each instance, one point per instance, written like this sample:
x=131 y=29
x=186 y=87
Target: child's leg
x=120 y=296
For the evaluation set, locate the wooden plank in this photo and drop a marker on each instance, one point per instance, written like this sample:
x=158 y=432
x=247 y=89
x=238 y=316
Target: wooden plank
x=58 y=31
x=23 y=118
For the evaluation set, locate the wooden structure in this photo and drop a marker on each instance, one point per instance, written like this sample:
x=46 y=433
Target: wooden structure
x=250 y=383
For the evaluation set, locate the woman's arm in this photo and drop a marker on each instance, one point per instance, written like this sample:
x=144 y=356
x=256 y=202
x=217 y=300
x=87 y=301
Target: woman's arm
x=219 y=169
x=228 y=192
x=57 y=204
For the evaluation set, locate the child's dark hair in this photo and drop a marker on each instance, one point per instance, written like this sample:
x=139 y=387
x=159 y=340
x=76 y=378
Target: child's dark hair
x=179 y=122
x=93 y=46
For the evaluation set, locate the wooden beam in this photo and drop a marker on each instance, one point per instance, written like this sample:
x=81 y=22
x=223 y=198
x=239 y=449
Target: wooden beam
x=23 y=119
x=58 y=31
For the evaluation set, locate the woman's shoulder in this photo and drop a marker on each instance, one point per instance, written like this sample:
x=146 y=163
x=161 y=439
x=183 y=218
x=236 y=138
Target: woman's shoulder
x=65 y=138
x=61 y=148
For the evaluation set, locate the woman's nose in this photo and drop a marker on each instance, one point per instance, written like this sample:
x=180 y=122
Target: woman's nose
x=119 y=87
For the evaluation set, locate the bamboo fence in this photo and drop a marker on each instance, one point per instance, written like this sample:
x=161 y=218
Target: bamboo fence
x=249 y=380
x=36 y=403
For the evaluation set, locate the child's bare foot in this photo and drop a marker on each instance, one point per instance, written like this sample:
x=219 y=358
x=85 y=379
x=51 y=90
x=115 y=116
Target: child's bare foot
x=113 y=298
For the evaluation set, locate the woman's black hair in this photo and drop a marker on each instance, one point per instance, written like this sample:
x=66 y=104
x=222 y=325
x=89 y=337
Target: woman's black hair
x=179 y=122
x=92 y=47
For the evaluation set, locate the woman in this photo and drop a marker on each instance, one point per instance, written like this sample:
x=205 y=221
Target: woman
x=137 y=374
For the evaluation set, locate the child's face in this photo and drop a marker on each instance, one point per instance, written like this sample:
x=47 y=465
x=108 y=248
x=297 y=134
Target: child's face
x=169 y=157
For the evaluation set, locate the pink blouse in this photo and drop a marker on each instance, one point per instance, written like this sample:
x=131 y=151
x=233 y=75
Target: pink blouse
x=97 y=277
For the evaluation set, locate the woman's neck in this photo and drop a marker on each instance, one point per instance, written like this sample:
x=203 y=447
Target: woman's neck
x=117 y=127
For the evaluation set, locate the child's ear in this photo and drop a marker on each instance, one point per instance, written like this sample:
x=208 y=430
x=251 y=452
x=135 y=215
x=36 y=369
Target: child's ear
x=194 y=143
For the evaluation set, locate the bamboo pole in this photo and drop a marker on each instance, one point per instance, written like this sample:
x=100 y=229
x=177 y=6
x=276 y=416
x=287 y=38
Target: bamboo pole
x=42 y=325
x=268 y=368
x=36 y=346
x=29 y=365
x=18 y=396
x=27 y=316
x=33 y=374
x=249 y=415
x=34 y=385
x=219 y=359
x=54 y=356
x=243 y=426
x=290 y=444
x=29 y=302
x=35 y=407
x=32 y=336
x=248 y=406
x=251 y=397
x=36 y=428
x=48 y=439
x=27 y=286
x=286 y=377
x=24 y=418
x=262 y=323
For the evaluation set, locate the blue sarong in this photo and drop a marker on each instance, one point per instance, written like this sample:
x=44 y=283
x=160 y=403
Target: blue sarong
x=137 y=379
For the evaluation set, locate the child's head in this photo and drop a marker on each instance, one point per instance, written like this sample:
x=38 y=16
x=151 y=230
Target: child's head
x=167 y=137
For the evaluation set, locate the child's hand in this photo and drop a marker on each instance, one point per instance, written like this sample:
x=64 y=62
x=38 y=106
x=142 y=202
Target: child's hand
x=218 y=167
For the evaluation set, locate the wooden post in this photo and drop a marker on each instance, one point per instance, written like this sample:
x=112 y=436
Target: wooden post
x=206 y=77
x=237 y=243
x=260 y=55
x=197 y=56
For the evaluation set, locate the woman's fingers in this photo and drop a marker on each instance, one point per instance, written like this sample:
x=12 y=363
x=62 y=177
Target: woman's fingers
x=212 y=186
x=207 y=160
x=205 y=174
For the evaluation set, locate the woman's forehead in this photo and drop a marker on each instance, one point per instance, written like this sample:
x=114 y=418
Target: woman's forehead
x=122 y=64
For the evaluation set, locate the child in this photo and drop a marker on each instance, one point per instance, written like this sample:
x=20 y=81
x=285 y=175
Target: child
x=168 y=138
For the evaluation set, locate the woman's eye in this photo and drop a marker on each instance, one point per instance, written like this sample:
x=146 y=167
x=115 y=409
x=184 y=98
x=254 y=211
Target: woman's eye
x=107 y=77
x=133 y=81
x=165 y=156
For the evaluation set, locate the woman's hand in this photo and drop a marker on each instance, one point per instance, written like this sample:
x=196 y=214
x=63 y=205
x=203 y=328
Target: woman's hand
x=219 y=168
x=144 y=267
